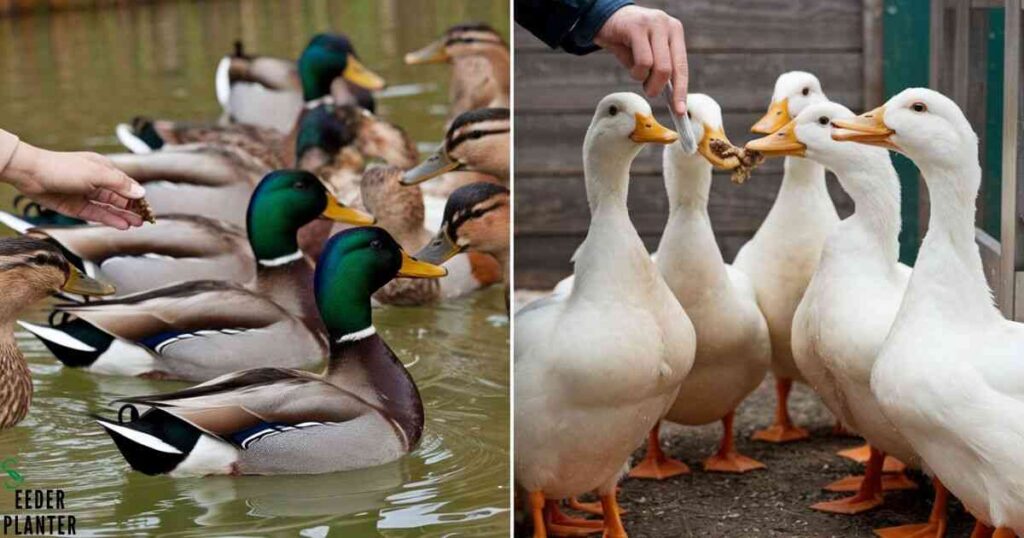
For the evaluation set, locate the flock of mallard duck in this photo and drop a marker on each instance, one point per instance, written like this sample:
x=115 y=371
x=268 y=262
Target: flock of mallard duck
x=916 y=360
x=263 y=263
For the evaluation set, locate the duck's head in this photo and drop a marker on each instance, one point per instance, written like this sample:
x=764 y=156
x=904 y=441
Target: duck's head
x=283 y=202
x=354 y=264
x=794 y=91
x=397 y=207
x=31 y=269
x=622 y=124
x=323 y=131
x=476 y=217
x=923 y=124
x=327 y=57
x=477 y=141
x=706 y=120
x=460 y=40
x=810 y=135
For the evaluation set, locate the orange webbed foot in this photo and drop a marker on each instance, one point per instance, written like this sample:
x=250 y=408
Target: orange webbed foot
x=593 y=508
x=732 y=462
x=781 y=433
x=656 y=465
x=890 y=482
x=862 y=453
x=560 y=524
x=850 y=505
x=921 y=530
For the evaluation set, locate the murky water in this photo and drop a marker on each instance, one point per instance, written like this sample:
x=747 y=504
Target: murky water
x=65 y=80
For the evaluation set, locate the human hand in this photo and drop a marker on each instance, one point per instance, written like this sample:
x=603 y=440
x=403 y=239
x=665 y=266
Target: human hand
x=649 y=43
x=78 y=184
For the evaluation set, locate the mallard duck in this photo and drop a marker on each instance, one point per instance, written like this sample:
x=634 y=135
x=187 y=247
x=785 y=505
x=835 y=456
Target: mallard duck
x=400 y=210
x=477 y=141
x=269 y=92
x=782 y=256
x=480 y=66
x=949 y=374
x=851 y=301
x=476 y=219
x=200 y=329
x=30 y=270
x=363 y=410
x=215 y=180
x=177 y=248
x=733 y=347
x=597 y=369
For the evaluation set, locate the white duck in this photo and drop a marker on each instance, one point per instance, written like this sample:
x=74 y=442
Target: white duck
x=596 y=369
x=782 y=256
x=733 y=347
x=950 y=375
x=852 y=299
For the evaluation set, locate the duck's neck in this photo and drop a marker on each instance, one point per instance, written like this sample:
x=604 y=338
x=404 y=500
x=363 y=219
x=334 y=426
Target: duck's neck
x=688 y=255
x=363 y=364
x=290 y=285
x=948 y=276
x=15 y=378
x=872 y=232
x=803 y=180
x=612 y=262
x=497 y=56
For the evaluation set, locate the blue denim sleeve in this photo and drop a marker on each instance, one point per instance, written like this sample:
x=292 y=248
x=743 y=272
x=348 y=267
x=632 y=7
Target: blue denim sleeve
x=567 y=24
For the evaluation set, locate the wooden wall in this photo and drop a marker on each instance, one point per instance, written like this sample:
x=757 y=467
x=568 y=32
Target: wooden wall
x=736 y=50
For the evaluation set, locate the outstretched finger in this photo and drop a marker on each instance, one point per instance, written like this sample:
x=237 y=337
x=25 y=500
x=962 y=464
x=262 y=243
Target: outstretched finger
x=662 y=67
x=105 y=196
x=104 y=215
x=643 y=58
x=680 y=68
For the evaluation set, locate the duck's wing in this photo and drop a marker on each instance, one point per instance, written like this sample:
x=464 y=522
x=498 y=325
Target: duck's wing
x=177 y=236
x=381 y=139
x=197 y=164
x=228 y=203
x=177 y=248
x=240 y=406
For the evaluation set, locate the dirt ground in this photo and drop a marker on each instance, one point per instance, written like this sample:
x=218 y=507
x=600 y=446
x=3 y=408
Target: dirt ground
x=770 y=502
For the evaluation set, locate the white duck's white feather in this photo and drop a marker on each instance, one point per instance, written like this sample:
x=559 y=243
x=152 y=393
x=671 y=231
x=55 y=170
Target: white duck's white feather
x=783 y=255
x=733 y=348
x=951 y=373
x=595 y=371
x=853 y=297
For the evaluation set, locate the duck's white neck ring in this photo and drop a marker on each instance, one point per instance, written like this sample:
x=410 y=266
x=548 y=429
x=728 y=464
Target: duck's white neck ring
x=311 y=104
x=281 y=260
x=358 y=335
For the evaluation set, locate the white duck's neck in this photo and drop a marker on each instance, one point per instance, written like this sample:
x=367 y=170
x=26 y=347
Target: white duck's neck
x=872 y=232
x=948 y=277
x=612 y=260
x=803 y=198
x=688 y=255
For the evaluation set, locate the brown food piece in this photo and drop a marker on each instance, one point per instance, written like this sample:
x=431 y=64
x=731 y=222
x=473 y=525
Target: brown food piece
x=748 y=159
x=141 y=208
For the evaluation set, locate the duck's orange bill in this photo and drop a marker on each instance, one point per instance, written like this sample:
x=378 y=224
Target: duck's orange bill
x=868 y=128
x=782 y=142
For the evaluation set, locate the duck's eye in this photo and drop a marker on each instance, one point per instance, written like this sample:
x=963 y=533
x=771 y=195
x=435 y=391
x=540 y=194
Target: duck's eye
x=376 y=244
x=919 y=107
x=806 y=91
x=613 y=110
x=300 y=185
x=475 y=134
x=823 y=120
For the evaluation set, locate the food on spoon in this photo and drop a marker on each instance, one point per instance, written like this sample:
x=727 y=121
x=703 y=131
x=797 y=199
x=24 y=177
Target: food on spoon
x=748 y=159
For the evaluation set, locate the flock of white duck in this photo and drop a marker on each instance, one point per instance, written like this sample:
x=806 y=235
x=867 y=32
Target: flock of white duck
x=245 y=281
x=917 y=360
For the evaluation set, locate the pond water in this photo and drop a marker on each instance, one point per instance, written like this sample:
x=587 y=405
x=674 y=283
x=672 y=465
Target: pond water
x=65 y=80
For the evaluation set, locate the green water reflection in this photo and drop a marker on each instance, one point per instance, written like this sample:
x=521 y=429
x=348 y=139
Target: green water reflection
x=65 y=80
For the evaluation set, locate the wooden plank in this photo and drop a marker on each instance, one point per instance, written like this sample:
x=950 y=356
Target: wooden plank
x=551 y=145
x=754 y=25
x=558 y=205
x=874 y=87
x=739 y=81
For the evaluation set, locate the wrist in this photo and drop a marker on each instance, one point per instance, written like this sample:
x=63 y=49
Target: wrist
x=20 y=170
